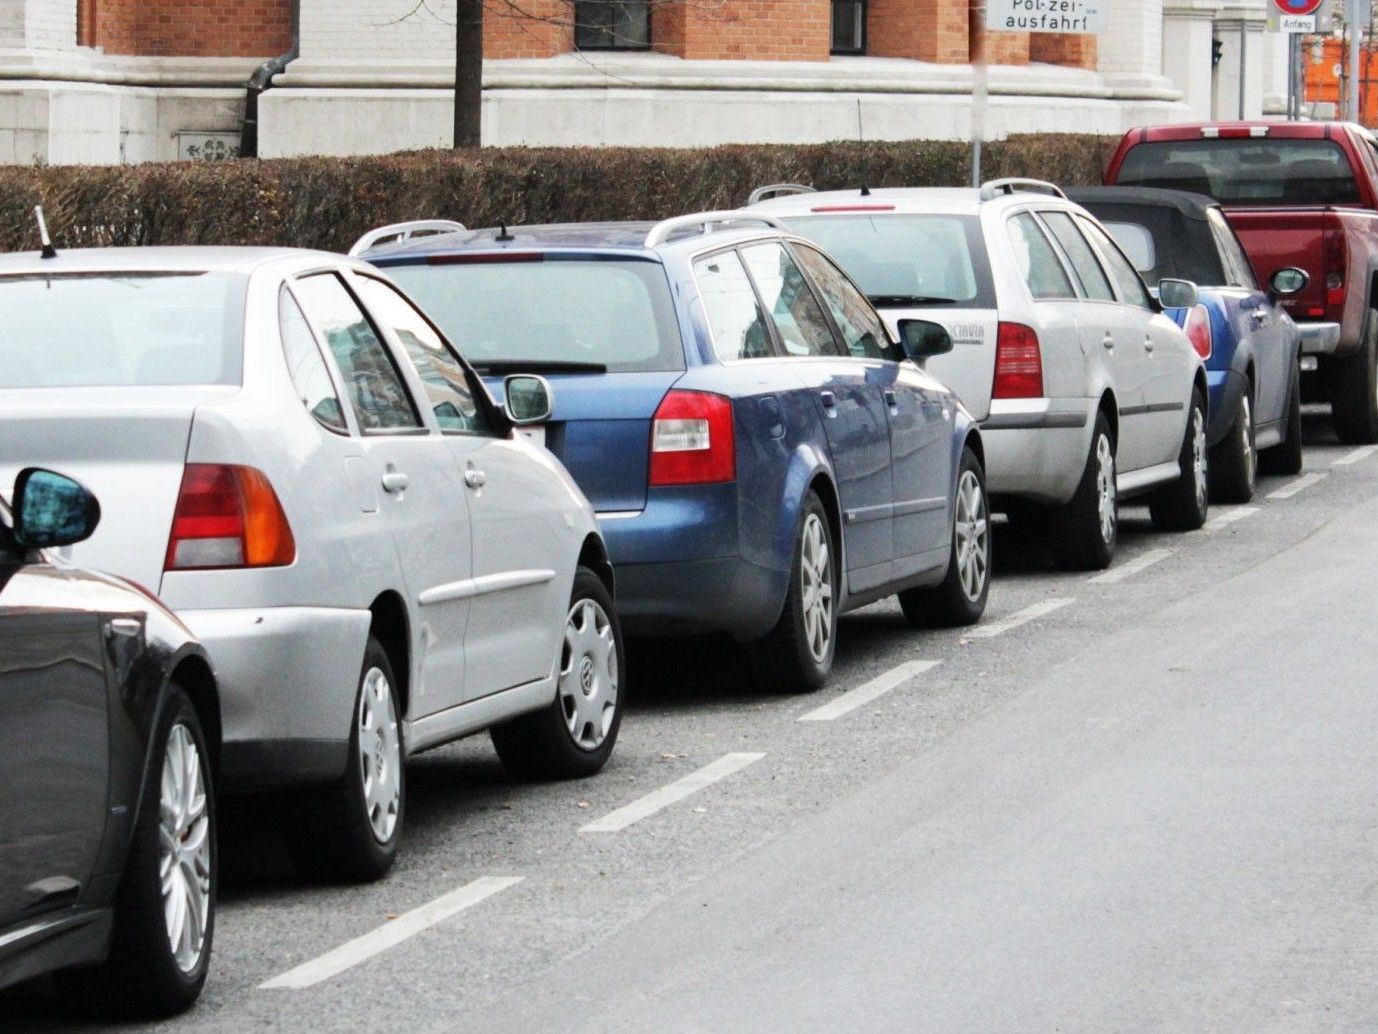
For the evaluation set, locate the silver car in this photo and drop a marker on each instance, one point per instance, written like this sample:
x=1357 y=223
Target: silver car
x=1086 y=391
x=295 y=460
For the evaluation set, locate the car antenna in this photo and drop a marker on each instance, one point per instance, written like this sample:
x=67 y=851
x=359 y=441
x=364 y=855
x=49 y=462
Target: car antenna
x=49 y=251
x=861 y=139
x=503 y=235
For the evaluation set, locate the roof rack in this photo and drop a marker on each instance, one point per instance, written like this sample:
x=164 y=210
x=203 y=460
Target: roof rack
x=993 y=189
x=660 y=232
x=778 y=190
x=400 y=232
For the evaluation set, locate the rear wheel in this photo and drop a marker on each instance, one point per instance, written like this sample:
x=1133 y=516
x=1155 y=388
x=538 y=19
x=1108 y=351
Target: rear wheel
x=960 y=599
x=1233 y=463
x=1286 y=458
x=1354 y=390
x=1182 y=505
x=1083 y=531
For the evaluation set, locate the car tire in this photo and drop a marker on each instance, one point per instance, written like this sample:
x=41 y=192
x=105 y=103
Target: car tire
x=960 y=598
x=1286 y=458
x=1183 y=504
x=349 y=831
x=152 y=971
x=1083 y=532
x=572 y=737
x=1234 y=461
x=797 y=654
x=1354 y=390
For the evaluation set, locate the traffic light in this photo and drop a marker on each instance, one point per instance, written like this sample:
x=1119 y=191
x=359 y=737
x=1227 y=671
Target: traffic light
x=1217 y=51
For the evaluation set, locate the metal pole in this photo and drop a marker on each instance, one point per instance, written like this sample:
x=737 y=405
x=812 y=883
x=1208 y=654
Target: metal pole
x=976 y=31
x=1291 y=77
x=1352 y=23
x=1243 y=55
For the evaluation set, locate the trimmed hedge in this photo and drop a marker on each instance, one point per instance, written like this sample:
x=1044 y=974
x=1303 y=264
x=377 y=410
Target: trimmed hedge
x=329 y=202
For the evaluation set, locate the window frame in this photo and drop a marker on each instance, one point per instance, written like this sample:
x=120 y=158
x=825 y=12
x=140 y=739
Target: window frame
x=1064 y=264
x=782 y=351
x=772 y=331
x=1078 y=283
x=613 y=47
x=863 y=8
x=1231 y=250
x=887 y=340
x=351 y=428
x=1148 y=302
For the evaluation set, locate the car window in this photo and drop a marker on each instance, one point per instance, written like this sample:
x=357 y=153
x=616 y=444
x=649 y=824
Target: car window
x=448 y=386
x=1238 y=271
x=735 y=319
x=310 y=375
x=790 y=301
x=1038 y=262
x=1094 y=282
x=371 y=378
x=1136 y=242
x=863 y=333
x=1254 y=171
x=1127 y=281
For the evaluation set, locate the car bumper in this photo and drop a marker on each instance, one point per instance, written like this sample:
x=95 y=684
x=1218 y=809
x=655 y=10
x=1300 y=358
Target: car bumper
x=728 y=594
x=1036 y=448
x=287 y=678
x=1319 y=338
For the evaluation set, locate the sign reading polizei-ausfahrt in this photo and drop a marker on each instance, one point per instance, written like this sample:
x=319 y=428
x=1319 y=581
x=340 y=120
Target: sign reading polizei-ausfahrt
x=1045 y=15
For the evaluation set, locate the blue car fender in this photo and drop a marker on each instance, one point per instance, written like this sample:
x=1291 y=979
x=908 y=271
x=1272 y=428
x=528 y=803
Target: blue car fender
x=807 y=464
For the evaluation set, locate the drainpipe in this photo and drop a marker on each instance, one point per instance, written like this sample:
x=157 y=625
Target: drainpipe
x=262 y=81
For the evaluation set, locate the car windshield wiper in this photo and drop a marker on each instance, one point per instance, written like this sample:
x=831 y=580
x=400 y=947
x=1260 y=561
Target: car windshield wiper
x=894 y=301
x=501 y=366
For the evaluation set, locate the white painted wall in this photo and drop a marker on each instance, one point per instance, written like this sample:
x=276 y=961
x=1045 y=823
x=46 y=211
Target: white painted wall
x=378 y=30
x=38 y=24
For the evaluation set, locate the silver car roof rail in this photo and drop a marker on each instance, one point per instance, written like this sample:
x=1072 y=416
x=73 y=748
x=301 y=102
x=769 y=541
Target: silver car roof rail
x=661 y=231
x=778 y=190
x=994 y=188
x=400 y=232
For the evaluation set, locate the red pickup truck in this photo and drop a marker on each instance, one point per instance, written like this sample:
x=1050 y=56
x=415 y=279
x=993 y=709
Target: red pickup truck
x=1299 y=194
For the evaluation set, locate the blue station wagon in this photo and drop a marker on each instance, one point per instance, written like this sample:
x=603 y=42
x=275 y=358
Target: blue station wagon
x=762 y=453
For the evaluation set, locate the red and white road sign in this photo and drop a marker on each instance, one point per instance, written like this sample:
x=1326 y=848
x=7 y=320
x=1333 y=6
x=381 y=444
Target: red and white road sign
x=1298 y=7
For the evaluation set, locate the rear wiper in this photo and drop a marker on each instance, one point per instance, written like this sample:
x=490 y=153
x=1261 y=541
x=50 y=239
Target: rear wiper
x=502 y=366
x=893 y=301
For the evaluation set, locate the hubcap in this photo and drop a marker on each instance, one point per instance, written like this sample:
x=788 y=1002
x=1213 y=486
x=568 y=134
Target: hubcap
x=588 y=675
x=184 y=858
x=380 y=755
x=1107 y=499
x=816 y=587
x=1198 y=455
x=1246 y=430
x=972 y=533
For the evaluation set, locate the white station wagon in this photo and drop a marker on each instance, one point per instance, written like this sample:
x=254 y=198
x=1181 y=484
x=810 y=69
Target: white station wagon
x=1085 y=391
x=294 y=459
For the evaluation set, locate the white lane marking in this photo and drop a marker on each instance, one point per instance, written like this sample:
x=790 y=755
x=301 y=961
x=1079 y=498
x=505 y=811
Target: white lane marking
x=1019 y=617
x=1230 y=516
x=864 y=694
x=668 y=795
x=1361 y=453
x=1131 y=568
x=390 y=934
x=1297 y=485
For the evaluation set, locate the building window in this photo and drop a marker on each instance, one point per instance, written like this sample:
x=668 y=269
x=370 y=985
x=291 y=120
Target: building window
x=612 y=24
x=849 y=27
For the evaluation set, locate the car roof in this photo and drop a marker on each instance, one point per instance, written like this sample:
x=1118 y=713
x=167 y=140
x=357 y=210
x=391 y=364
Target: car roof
x=191 y=258
x=1193 y=206
x=927 y=199
x=622 y=237
x=1207 y=130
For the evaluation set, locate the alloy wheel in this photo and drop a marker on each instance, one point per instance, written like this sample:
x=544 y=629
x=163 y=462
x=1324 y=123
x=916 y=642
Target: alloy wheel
x=1107 y=498
x=1198 y=455
x=972 y=531
x=589 y=675
x=816 y=586
x=184 y=859
x=380 y=755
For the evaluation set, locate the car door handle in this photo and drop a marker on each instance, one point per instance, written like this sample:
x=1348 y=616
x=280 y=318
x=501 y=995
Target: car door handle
x=890 y=399
x=395 y=481
x=475 y=478
x=1148 y=345
x=1108 y=343
x=126 y=627
x=829 y=399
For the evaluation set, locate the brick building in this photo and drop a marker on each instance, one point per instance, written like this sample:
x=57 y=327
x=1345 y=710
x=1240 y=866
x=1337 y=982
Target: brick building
x=135 y=80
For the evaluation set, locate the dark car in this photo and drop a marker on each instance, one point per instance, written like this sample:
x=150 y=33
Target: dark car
x=107 y=811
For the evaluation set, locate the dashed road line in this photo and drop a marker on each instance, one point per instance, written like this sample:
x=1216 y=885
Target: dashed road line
x=867 y=692
x=1019 y=617
x=390 y=934
x=1361 y=453
x=1230 y=516
x=1296 y=486
x=1130 y=568
x=656 y=800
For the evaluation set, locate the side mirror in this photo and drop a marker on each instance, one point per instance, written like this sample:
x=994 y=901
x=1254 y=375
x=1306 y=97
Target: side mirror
x=922 y=339
x=1288 y=280
x=51 y=509
x=528 y=399
x=1176 y=294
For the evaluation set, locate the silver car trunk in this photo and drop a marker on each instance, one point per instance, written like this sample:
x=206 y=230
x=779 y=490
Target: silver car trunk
x=969 y=369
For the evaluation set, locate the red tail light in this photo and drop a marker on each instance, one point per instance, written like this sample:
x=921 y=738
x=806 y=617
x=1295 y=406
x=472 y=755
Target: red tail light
x=692 y=440
x=1334 y=252
x=228 y=516
x=1198 y=330
x=1018 y=363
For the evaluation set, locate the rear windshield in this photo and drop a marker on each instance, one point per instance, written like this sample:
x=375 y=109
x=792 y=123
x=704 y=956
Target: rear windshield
x=902 y=261
x=1264 y=171
x=124 y=329
x=1162 y=242
x=615 y=313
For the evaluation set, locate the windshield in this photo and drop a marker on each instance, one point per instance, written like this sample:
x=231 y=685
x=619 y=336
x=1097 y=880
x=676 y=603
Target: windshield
x=1264 y=171
x=121 y=329
x=545 y=311
x=902 y=261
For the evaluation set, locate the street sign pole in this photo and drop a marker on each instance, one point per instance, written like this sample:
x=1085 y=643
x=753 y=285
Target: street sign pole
x=1352 y=18
x=980 y=91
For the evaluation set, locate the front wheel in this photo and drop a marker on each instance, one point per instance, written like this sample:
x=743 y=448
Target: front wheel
x=1233 y=463
x=960 y=598
x=1182 y=504
x=572 y=737
x=1286 y=457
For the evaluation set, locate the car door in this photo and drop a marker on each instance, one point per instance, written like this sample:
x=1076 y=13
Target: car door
x=521 y=549
x=848 y=394
x=405 y=472
x=1261 y=320
x=920 y=418
x=54 y=718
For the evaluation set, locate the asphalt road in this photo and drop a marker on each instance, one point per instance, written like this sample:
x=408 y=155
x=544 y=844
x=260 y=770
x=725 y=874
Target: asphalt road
x=1141 y=801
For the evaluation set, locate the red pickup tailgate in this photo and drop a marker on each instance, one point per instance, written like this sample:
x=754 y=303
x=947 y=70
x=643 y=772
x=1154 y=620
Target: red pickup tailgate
x=1275 y=238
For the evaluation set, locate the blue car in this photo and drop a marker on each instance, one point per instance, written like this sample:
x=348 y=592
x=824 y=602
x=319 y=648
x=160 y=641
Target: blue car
x=1249 y=343
x=762 y=454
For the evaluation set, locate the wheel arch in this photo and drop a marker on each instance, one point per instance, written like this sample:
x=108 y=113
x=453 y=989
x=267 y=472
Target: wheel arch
x=1109 y=405
x=593 y=554
x=194 y=675
x=391 y=627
